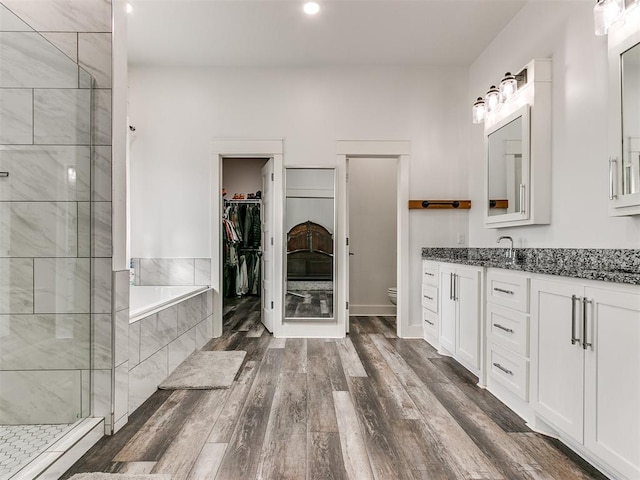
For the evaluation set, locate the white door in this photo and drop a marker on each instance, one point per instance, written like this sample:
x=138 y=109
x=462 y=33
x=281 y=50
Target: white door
x=267 y=245
x=612 y=373
x=467 y=290
x=557 y=362
x=447 y=309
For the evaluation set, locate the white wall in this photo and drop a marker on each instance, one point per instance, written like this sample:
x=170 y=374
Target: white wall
x=562 y=31
x=178 y=111
x=372 y=233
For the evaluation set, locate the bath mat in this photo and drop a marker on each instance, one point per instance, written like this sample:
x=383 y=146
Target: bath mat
x=205 y=371
x=118 y=476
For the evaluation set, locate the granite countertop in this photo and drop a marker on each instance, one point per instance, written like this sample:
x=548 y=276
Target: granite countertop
x=609 y=265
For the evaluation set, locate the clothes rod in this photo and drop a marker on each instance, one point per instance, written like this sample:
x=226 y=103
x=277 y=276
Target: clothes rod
x=439 y=204
x=246 y=200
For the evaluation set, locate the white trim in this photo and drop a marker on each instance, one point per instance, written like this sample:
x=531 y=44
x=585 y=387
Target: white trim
x=237 y=147
x=389 y=149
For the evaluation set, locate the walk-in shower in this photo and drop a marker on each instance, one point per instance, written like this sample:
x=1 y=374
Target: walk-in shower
x=47 y=148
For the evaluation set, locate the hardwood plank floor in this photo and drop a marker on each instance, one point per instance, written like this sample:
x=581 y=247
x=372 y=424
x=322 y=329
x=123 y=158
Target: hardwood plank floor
x=369 y=407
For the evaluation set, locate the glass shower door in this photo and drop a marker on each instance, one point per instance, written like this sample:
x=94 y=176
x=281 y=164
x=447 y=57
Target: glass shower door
x=45 y=243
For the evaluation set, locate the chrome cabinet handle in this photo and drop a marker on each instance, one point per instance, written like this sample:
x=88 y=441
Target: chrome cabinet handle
x=612 y=175
x=585 y=344
x=430 y=274
x=522 y=187
x=508 y=292
x=4 y=174
x=451 y=286
x=508 y=330
x=430 y=323
x=574 y=339
x=428 y=297
x=500 y=367
x=455 y=286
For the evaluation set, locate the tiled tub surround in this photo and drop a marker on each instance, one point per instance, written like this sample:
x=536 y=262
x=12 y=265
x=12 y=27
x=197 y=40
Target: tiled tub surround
x=172 y=271
x=147 y=299
x=610 y=265
x=158 y=343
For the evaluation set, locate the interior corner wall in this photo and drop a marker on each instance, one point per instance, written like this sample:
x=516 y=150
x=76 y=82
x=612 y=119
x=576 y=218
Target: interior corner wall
x=562 y=31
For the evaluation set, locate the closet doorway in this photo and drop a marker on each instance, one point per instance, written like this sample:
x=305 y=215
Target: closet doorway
x=372 y=206
x=247 y=255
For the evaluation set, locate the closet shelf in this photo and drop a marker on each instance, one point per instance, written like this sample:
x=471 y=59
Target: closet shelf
x=439 y=204
x=245 y=201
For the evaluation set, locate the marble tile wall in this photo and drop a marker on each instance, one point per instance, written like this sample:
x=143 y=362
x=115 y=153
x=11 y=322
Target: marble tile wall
x=172 y=271
x=63 y=311
x=160 y=342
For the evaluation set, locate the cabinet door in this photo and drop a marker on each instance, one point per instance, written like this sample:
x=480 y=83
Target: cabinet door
x=612 y=373
x=557 y=365
x=447 y=309
x=467 y=291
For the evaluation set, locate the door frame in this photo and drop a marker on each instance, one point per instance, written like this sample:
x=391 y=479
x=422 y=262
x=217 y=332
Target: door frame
x=400 y=150
x=238 y=147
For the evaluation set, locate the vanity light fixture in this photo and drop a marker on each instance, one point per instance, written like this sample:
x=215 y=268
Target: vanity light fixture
x=606 y=13
x=508 y=87
x=492 y=99
x=311 y=8
x=129 y=8
x=478 y=111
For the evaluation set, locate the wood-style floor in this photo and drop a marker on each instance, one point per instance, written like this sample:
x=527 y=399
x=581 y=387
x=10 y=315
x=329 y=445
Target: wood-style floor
x=371 y=406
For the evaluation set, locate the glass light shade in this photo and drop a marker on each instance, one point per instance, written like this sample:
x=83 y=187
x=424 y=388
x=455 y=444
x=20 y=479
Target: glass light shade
x=477 y=112
x=605 y=14
x=129 y=8
x=508 y=86
x=311 y=8
x=492 y=99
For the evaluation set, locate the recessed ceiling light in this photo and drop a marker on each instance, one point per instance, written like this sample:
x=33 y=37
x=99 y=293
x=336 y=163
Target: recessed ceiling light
x=311 y=8
x=129 y=8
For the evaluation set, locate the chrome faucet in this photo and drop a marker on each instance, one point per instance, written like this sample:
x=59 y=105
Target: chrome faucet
x=510 y=255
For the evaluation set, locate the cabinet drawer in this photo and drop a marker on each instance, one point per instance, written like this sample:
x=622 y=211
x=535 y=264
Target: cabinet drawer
x=508 y=289
x=430 y=297
x=509 y=370
x=508 y=328
x=430 y=323
x=429 y=273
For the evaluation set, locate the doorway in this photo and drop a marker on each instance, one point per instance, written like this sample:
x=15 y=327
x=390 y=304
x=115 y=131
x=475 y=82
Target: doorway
x=372 y=210
x=245 y=227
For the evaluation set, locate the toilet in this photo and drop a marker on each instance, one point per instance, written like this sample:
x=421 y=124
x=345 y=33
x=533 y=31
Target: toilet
x=393 y=294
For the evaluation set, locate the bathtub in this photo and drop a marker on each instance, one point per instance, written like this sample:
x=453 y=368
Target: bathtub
x=146 y=300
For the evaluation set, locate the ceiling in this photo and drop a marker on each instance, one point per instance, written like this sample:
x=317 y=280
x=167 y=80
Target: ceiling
x=345 y=32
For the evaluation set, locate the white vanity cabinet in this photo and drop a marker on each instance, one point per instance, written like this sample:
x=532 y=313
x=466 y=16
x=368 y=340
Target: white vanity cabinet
x=461 y=313
x=585 y=368
x=507 y=327
x=430 y=317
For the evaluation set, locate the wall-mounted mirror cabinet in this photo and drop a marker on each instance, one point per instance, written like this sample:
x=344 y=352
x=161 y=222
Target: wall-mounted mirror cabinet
x=624 y=116
x=508 y=166
x=518 y=153
x=310 y=220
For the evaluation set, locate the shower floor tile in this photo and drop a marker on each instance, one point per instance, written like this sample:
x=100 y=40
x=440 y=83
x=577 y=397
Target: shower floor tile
x=20 y=444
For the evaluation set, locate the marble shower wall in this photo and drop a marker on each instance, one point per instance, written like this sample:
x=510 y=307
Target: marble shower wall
x=56 y=304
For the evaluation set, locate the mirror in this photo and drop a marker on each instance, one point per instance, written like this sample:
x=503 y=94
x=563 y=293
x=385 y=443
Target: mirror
x=508 y=163
x=310 y=242
x=630 y=83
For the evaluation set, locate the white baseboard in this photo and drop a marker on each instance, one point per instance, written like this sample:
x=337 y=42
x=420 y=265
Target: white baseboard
x=372 y=310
